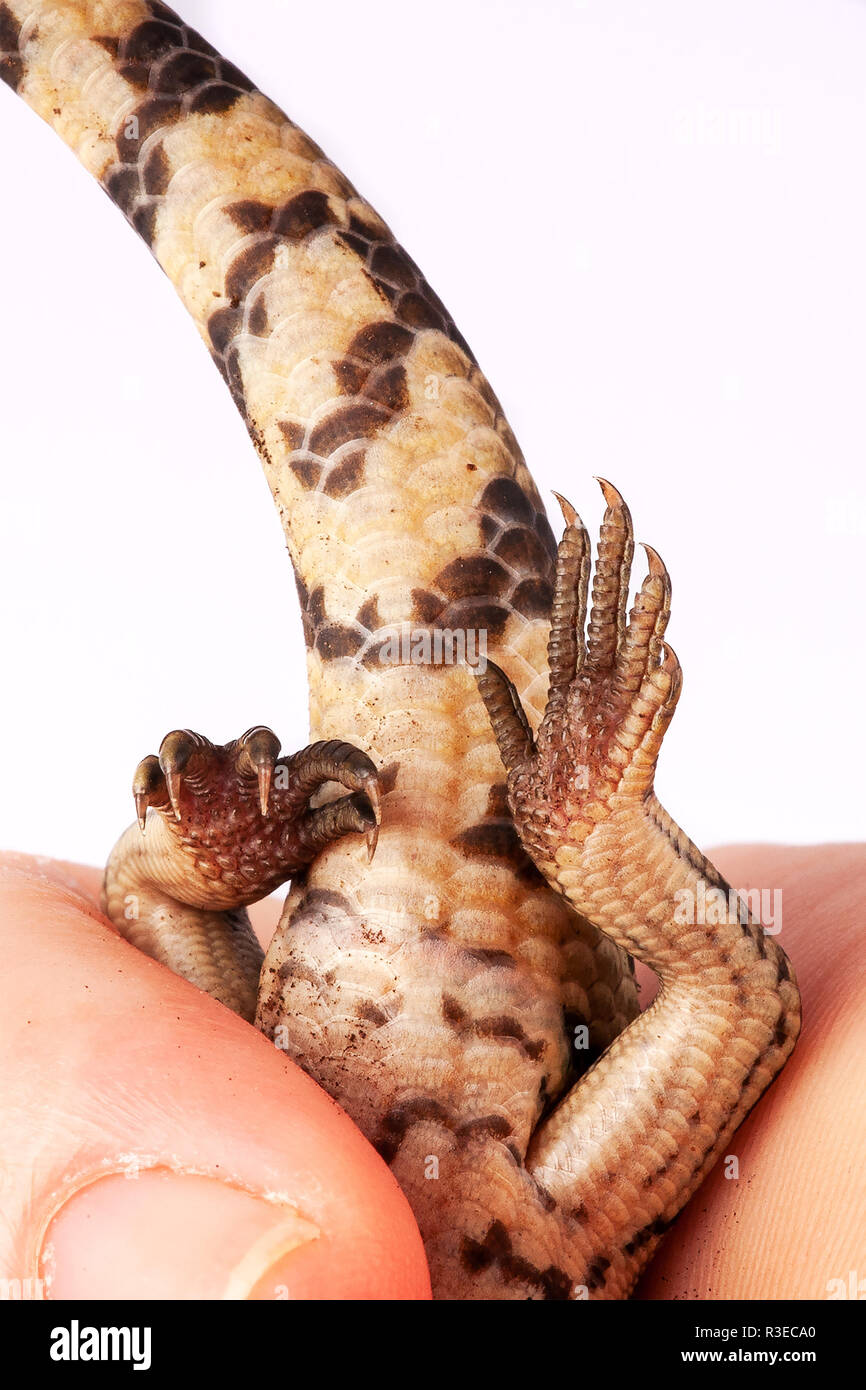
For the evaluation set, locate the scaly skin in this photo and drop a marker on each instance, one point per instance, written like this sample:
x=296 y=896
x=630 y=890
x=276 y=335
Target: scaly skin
x=427 y=991
x=727 y=1013
x=233 y=823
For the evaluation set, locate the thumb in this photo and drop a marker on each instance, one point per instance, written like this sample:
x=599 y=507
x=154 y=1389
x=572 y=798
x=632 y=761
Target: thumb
x=159 y=1147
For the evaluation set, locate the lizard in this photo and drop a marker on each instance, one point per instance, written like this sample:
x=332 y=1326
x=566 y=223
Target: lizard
x=476 y=855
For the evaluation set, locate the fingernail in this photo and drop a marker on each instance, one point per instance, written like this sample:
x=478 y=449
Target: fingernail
x=161 y=1234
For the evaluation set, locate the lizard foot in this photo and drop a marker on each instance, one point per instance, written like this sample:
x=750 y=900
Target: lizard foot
x=219 y=827
x=681 y=1077
x=612 y=694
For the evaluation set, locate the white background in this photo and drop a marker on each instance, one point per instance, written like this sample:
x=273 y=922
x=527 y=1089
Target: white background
x=649 y=221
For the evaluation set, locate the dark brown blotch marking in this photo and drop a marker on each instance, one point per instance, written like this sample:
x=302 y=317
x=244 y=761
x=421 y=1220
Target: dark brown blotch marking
x=257 y=320
x=388 y=386
x=504 y=499
x=416 y=311
x=350 y=375
x=430 y=294
x=304 y=602
x=222 y=326
x=497 y=1242
x=523 y=550
x=533 y=598
x=392 y=264
x=248 y=266
x=400 y=1118
x=388 y=776
x=201 y=45
x=156 y=171
x=597 y=1272
x=555 y=1285
x=381 y=342
x=484 y=1127
x=358 y=224
x=327 y=897
x=747 y=1080
x=346 y=476
x=305 y=599
x=144 y=219
x=361 y=247
x=123 y=186
x=646 y=1234
x=476 y=1256
x=546 y=536
x=106 y=41
x=473 y=575
x=497 y=801
x=426 y=607
x=501 y=1026
x=179 y=73
x=149 y=41
x=231 y=370
x=308 y=471
x=491 y=839
x=360 y=420
x=368 y=614
x=292 y=969
x=303 y=214
x=547 y=1200
x=316 y=605
x=214 y=98
x=371 y=1013
x=135 y=74
x=152 y=114
x=336 y=641
x=11 y=64
x=250 y=215
x=452 y=1012
x=477 y=614
x=293 y=432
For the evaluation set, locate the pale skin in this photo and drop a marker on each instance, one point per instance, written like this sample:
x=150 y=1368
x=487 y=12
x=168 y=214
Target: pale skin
x=122 y=1078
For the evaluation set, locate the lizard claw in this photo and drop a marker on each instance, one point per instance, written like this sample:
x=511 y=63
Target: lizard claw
x=258 y=750
x=175 y=752
x=148 y=788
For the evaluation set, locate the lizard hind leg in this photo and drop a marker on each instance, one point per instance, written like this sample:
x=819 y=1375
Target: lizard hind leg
x=628 y=1144
x=219 y=827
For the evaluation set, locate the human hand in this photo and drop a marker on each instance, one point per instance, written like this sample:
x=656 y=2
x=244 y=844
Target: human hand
x=791 y=1224
x=156 y=1146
